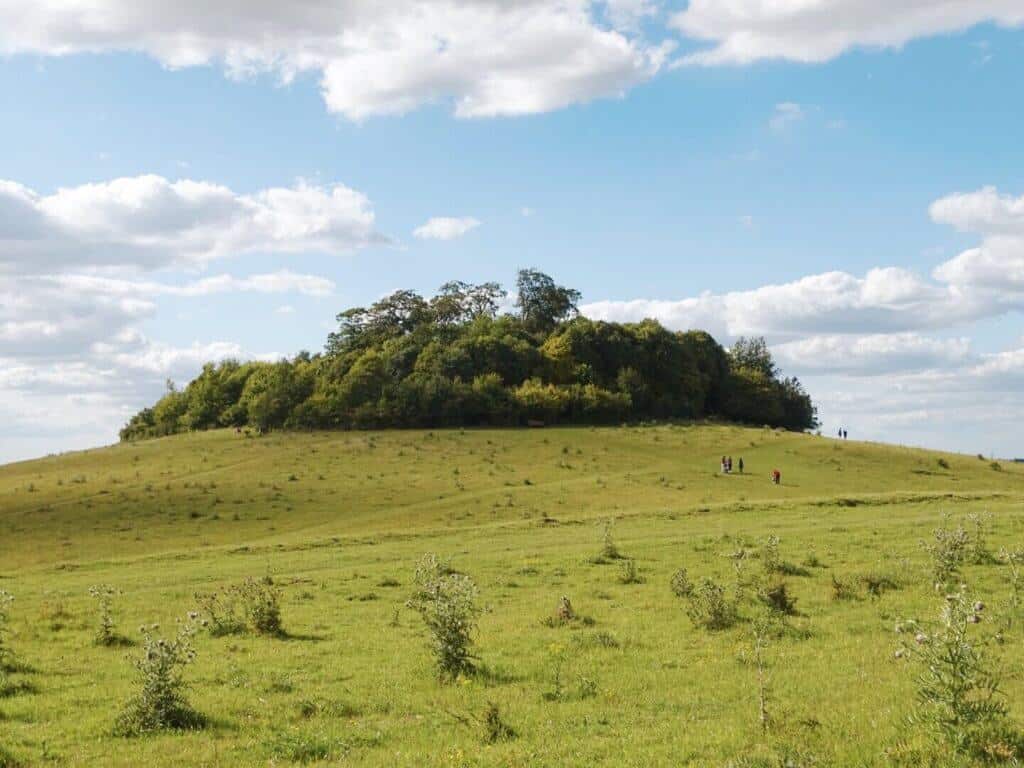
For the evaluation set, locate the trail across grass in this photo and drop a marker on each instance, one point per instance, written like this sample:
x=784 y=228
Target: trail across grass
x=339 y=520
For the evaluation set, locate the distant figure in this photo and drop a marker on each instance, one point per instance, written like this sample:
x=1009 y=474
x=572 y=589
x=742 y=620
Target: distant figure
x=776 y=476
x=724 y=468
x=840 y=433
x=728 y=465
x=741 y=465
x=845 y=433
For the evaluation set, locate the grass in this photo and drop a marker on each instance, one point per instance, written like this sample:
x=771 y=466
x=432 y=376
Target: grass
x=523 y=513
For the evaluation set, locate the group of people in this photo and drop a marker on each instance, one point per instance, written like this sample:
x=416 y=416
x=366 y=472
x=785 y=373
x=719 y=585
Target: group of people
x=842 y=433
x=727 y=465
x=727 y=469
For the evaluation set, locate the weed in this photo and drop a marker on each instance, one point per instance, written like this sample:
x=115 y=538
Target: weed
x=6 y=655
x=106 y=633
x=161 y=702
x=947 y=551
x=680 y=584
x=776 y=597
x=630 y=574
x=709 y=608
x=609 y=550
x=261 y=600
x=959 y=701
x=219 y=612
x=495 y=729
x=979 y=552
x=842 y=589
x=447 y=604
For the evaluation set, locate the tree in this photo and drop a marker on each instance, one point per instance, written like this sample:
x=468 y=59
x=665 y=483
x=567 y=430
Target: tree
x=542 y=304
x=458 y=302
x=753 y=354
x=393 y=316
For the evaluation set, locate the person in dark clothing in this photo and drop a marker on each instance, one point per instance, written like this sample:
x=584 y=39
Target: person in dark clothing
x=741 y=465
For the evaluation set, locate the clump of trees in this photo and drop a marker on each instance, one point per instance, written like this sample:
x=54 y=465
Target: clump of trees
x=456 y=360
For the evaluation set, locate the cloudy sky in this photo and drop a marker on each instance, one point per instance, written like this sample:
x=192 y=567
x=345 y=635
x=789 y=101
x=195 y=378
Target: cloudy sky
x=189 y=181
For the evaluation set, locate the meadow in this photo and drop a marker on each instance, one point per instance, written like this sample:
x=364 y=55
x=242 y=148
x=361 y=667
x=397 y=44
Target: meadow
x=337 y=521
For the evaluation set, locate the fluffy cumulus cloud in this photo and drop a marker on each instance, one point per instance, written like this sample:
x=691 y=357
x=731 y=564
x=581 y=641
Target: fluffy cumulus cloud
x=889 y=350
x=744 y=31
x=150 y=222
x=445 y=228
x=78 y=279
x=488 y=57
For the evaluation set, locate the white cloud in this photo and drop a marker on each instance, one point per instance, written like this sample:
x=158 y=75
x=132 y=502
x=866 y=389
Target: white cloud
x=489 y=57
x=445 y=228
x=285 y=309
x=872 y=354
x=744 y=31
x=148 y=222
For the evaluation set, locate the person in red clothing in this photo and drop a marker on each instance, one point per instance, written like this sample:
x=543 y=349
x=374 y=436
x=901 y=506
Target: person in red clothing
x=776 y=477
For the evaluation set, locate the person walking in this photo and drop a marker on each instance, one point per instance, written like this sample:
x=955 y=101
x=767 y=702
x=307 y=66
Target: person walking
x=741 y=465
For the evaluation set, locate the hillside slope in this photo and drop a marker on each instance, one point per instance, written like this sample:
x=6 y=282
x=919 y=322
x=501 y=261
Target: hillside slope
x=223 y=488
x=340 y=520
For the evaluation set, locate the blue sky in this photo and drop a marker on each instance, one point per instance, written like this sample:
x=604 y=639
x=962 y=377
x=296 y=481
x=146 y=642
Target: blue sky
x=694 y=166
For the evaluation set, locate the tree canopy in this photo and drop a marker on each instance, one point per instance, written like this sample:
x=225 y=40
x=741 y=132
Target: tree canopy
x=455 y=360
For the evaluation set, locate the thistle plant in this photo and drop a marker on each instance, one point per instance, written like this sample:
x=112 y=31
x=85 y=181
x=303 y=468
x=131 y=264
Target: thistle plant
x=609 y=550
x=770 y=559
x=710 y=608
x=979 y=553
x=6 y=655
x=219 y=612
x=948 y=550
x=161 y=702
x=1014 y=560
x=959 y=701
x=680 y=584
x=261 y=599
x=104 y=595
x=447 y=603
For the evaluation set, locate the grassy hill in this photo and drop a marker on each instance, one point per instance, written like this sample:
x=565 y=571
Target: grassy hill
x=340 y=519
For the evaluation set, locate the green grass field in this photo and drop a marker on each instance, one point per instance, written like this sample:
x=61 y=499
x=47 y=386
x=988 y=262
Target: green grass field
x=340 y=519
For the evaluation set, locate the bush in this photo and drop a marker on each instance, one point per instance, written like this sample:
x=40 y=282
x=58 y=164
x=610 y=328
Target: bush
x=494 y=728
x=161 y=702
x=709 y=608
x=219 y=612
x=6 y=655
x=947 y=550
x=630 y=574
x=447 y=604
x=680 y=584
x=262 y=603
x=959 y=701
x=777 y=597
x=842 y=589
x=104 y=595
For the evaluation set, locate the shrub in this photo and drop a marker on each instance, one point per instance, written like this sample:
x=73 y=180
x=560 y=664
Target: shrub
x=709 y=608
x=161 y=702
x=770 y=559
x=609 y=550
x=777 y=597
x=219 y=612
x=6 y=655
x=494 y=728
x=680 y=584
x=104 y=595
x=842 y=589
x=262 y=602
x=947 y=551
x=943 y=463
x=564 y=612
x=959 y=702
x=979 y=552
x=447 y=604
x=630 y=574
x=877 y=583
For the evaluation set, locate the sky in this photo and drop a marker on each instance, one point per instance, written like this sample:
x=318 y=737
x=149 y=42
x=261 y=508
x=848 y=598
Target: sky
x=192 y=181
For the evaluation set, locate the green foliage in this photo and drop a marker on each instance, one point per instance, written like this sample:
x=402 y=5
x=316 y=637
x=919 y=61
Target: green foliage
x=630 y=574
x=776 y=596
x=959 y=701
x=255 y=603
x=161 y=702
x=446 y=602
x=495 y=729
x=106 y=633
x=709 y=607
x=6 y=654
x=453 y=361
x=680 y=584
x=947 y=550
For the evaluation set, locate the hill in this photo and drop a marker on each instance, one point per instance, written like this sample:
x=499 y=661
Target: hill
x=340 y=519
